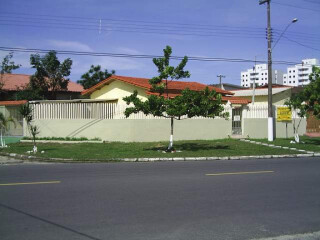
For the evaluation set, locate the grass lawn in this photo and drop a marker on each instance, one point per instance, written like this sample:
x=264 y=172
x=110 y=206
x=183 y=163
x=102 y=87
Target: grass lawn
x=105 y=151
x=306 y=143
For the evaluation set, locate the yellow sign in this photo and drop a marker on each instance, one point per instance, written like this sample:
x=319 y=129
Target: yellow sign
x=283 y=114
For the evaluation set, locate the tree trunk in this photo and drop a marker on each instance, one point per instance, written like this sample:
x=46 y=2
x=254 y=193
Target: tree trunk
x=170 y=148
x=35 y=149
x=1 y=139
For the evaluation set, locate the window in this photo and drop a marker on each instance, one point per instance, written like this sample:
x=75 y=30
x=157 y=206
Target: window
x=290 y=71
x=289 y=76
x=285 y=82
x=289 y=81
x=294 y=81
x=294 y=70
x=265 y=79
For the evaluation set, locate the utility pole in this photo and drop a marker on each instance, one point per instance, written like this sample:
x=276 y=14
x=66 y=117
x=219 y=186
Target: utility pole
x=220 y=76
x=270 y=111
x=254 y=79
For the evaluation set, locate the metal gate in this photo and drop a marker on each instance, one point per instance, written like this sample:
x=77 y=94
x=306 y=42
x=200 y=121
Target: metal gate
x=236 y=121
x=313 y=124
x=16 y=128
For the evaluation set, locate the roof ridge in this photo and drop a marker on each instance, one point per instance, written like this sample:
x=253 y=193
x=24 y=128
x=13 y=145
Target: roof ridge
x=24 y=74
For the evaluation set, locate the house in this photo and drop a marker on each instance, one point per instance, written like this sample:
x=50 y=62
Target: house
x=115 y=88
x=280 y=94
x=228 y=86
x=102 y=116
x=12 y=83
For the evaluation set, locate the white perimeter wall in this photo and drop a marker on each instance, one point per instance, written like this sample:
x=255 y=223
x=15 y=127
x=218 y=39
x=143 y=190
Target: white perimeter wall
x=148 y=130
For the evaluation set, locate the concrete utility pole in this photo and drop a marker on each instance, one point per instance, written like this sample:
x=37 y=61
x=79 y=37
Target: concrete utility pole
x=270 y=111
x=221 y=76
x=254 y=80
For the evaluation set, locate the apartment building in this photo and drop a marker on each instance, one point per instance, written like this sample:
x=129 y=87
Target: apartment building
x=259 y=75
x=298 y=75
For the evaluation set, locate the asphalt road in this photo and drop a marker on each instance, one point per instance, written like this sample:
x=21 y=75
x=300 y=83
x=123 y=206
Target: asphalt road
x=246 y=199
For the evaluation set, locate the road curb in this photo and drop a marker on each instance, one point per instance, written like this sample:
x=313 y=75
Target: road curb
x=286 y=148
x=30 y=158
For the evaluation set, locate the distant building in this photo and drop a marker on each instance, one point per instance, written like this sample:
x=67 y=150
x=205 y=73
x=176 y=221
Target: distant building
x=260 y=76
x=298 y=75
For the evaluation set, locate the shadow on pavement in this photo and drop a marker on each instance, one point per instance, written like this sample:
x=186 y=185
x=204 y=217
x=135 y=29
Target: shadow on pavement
x=49 y=222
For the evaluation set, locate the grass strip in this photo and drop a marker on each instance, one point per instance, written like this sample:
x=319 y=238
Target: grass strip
x=105 y=151
x=306 y=143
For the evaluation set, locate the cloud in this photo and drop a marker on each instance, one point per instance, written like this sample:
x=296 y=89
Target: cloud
x=70 y=45
x=128 y=51
x=82 y=65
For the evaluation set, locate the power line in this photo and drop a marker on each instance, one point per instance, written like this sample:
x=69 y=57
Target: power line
x=115 y=27
x=128 y=21
x=301 y=44
x=299 y=35
x=147 y=31
x=294 y=6
x=105 y=54
x=81 y=23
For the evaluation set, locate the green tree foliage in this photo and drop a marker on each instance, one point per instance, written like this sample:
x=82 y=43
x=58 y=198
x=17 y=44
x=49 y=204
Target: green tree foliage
x=7 y=66
x=94 y=76
x=28 y=94
x=4 y=123
x=50 y=75
x=26 y=111
x=188 y=104
x=308 y=100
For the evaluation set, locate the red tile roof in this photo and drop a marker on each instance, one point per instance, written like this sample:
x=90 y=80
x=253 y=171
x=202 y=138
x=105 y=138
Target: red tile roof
x=144 y=83
x=12 y=103
x=236 y=100
x=233 y=100
x=14 y=81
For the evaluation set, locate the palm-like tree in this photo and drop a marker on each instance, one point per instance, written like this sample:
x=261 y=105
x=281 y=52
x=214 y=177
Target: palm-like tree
x=4 y=123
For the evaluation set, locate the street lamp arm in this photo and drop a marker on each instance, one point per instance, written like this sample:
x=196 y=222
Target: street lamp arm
x=293 y=21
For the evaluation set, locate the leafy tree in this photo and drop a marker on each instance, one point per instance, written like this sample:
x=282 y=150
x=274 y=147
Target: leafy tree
x=26 y=112
x=188 y=104
x=308 y=100
x=94 y=76
x=4 y=123
x=7 y=66
x=28 y=94
x=50 y=75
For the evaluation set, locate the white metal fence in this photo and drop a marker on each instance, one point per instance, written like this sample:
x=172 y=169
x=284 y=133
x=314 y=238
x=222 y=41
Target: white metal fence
x=109 y=110
x=73 y=110
x=261 y=111
x=87 y=110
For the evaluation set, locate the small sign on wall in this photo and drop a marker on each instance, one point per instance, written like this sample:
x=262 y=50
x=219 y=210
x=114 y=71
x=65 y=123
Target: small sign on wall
x=284 y=114
x=236 y=118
